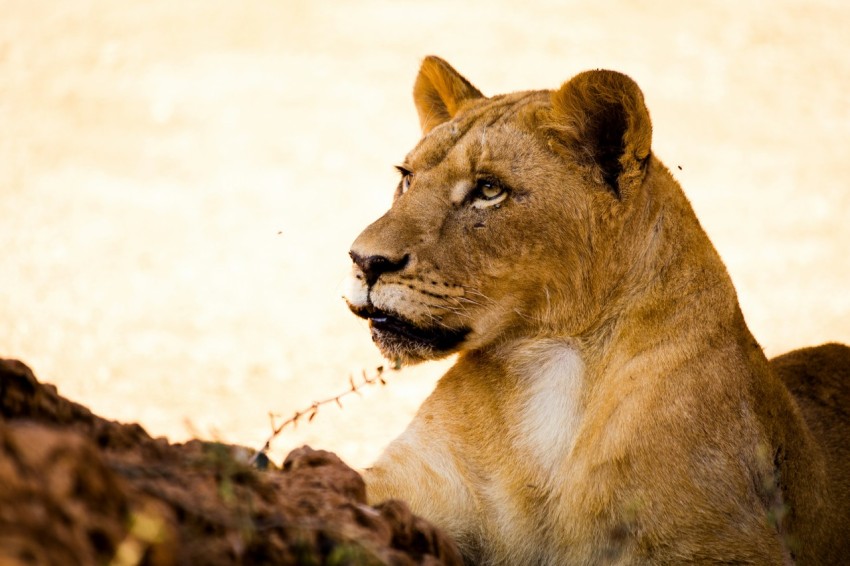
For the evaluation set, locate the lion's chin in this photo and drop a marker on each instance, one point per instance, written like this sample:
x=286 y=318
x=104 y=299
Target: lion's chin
x=400 y=340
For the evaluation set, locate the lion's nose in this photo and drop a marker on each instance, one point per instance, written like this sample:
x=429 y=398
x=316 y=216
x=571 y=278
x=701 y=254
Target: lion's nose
x=373 y=266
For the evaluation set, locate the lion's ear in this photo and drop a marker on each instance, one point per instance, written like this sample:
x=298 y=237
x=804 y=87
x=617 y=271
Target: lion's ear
x=439 y=92
x=599 y=118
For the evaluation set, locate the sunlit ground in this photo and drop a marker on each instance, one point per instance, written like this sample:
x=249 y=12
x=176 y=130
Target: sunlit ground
x=180 y=182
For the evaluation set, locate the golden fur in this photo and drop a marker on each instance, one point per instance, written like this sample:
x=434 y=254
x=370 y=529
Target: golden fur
x=608 y=404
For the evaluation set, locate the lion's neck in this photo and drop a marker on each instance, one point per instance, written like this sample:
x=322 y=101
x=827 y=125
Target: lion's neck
x=675 y=288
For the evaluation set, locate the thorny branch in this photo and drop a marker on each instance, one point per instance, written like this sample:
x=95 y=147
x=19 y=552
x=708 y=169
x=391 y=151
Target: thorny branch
x=311 y=411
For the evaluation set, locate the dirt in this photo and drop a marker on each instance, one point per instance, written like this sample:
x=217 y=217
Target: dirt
x=79 y=489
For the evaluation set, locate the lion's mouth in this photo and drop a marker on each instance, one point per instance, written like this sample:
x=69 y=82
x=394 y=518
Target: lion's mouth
x=393 y=333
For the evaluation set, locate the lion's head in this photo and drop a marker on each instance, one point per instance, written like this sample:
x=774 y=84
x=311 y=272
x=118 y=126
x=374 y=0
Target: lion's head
x=511 y=217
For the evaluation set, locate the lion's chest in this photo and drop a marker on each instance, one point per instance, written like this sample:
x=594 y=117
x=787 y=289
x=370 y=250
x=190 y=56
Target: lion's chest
x=548 y=405
x=543 y=418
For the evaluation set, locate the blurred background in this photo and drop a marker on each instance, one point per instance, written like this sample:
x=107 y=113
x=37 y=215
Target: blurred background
x=180 y=182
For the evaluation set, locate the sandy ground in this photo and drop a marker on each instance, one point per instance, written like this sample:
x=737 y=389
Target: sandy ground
x=180 y=182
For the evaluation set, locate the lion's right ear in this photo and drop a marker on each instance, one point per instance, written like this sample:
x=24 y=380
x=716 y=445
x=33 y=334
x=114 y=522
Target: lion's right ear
x=439 y=93
x=600 y=120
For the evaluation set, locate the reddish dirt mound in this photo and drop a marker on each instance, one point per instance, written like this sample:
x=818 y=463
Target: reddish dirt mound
x=78 y=489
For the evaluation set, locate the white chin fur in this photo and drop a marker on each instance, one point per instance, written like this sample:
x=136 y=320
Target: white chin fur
x=354 y=289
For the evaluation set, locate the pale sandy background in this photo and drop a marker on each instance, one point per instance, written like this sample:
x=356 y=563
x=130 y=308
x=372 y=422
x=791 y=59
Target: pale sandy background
x=180 y=181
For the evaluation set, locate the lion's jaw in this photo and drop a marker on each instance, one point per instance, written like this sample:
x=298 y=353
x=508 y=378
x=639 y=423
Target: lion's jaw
x=402 y=324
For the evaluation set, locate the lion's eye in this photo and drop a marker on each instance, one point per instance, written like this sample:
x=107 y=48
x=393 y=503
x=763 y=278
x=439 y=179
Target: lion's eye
x=488 y=193
x=406 y=179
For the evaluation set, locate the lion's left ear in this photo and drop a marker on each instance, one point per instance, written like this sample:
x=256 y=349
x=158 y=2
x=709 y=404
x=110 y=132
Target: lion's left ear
x=599 y=118
x=439 y=92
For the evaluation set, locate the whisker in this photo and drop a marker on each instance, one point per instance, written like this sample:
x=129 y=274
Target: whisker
x=480 y=294
x=469 y=301
x=458 y=312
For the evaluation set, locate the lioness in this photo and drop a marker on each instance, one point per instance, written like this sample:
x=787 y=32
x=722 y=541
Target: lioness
x=608 y=404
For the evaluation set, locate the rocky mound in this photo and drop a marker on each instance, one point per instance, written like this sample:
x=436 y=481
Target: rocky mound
x=78 y=489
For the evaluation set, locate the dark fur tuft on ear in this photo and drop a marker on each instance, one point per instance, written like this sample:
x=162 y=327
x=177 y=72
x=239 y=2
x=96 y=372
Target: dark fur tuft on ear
x=439 y=93
x=600 y=120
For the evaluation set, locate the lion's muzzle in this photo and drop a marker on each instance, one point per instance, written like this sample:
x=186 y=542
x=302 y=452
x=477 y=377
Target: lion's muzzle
x=394 y=334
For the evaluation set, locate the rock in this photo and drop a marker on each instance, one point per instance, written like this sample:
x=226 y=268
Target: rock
x=79 y=489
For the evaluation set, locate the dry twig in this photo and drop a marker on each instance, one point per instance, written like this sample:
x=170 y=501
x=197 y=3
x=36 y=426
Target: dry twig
x=311 y=411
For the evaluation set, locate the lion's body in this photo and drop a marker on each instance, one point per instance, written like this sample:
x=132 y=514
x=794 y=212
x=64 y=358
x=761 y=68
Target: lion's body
x=608 y=404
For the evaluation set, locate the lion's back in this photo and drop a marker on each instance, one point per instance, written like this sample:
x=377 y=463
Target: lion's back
x=819 y=379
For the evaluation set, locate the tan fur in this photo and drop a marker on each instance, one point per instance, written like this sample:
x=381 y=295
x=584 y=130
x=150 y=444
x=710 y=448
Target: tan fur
x=608 y=404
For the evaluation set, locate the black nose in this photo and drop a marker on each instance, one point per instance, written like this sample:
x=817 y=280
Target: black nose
x=374 y=265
